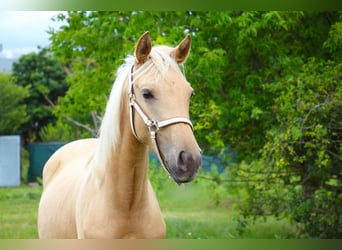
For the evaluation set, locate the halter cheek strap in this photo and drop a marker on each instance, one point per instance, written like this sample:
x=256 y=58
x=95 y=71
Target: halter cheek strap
x=153 y=126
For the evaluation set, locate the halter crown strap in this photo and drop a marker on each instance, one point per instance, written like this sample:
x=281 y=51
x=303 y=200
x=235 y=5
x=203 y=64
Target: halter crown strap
x=153 y=125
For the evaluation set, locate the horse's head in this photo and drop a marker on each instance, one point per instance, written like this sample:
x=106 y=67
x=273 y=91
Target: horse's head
x=160 y=98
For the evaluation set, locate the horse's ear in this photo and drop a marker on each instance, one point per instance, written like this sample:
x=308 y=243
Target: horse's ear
x=143 y=47
x=181 y=52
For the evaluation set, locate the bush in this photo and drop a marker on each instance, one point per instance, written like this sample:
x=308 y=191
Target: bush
x=13 y=110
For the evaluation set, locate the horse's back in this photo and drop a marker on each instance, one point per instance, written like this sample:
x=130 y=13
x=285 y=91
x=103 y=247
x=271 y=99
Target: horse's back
x=74 y=152
x=62 y=176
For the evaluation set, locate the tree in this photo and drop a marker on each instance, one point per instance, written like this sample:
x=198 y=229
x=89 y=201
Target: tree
x=45 y=78
x=13 y=113
x=299 y=173
x=308 y=146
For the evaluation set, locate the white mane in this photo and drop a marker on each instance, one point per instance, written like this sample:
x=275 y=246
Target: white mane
x=109 y=134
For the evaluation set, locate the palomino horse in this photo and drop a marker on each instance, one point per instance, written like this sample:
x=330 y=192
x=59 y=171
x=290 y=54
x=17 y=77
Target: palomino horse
x=99 y=188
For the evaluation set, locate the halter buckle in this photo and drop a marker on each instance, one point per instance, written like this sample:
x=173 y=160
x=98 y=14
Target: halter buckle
x=153 y=126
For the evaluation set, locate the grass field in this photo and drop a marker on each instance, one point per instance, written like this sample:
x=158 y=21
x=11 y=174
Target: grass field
x=188 y=212
x=18 y=212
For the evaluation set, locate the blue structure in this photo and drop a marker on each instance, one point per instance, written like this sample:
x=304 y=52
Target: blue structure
x=10 y=161
x=39 y=154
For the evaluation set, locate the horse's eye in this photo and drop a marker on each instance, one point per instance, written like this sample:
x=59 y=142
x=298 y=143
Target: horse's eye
x=147 y=94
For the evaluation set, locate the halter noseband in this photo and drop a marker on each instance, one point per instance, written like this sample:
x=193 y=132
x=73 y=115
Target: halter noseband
x=153 y=126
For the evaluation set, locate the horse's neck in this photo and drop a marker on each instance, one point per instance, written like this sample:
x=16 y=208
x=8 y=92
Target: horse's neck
x=126 y=175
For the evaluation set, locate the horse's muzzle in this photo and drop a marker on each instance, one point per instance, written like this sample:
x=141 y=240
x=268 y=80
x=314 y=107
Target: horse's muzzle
x=185 y=167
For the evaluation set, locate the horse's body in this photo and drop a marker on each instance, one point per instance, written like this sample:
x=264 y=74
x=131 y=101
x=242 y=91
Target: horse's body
x=99 y=188
x=68 y=194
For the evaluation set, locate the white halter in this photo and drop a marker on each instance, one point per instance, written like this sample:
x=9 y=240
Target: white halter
x=153 y=125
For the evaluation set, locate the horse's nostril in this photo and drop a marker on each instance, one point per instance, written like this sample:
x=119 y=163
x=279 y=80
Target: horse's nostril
x=182 y=159
x=187 y=166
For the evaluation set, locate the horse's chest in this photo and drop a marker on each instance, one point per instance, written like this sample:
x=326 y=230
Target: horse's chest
x=147 y=227
x=124 y=226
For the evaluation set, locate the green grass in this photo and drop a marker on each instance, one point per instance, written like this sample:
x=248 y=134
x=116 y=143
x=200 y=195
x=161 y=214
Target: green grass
x=18 y=212
x=188 y=211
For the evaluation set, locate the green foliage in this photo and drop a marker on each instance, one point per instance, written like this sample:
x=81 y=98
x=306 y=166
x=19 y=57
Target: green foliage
x=57 y=132
x=334 y=41
x=307 y=145
x=299 y=174
x=43 y=75
x=13 y=110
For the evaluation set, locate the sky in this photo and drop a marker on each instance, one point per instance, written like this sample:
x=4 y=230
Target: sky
x=21 y=32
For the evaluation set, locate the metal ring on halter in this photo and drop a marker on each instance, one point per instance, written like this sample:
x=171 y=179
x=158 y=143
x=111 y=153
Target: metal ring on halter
x=153 y=126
